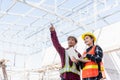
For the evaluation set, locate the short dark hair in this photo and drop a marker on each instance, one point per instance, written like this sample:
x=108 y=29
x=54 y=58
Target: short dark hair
x=73 y=38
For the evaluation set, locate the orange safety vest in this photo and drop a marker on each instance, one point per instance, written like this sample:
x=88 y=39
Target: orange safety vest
x=90 y=69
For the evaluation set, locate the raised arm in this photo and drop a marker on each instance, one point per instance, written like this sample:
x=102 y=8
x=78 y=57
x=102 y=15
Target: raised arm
x=55 y=40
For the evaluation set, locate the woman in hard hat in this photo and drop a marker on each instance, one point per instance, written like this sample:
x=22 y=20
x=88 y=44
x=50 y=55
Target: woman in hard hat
x=92 y=69
x=94 y=53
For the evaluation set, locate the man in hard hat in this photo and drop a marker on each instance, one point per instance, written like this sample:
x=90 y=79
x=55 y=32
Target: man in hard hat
x=94 y=53
x=70 y=70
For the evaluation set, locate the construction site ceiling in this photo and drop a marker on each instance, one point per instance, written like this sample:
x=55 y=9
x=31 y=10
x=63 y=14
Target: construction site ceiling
x=24 y=24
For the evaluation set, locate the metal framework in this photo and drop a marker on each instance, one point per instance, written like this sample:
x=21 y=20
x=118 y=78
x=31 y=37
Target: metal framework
x=24 y=27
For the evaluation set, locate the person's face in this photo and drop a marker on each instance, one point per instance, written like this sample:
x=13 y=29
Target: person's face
x=71 y=42
x=88 y=40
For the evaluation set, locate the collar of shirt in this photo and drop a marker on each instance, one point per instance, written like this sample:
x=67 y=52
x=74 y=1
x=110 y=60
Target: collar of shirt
x=88 y=49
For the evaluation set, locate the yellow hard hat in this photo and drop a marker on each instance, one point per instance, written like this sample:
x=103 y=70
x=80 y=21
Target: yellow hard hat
x=88 y=34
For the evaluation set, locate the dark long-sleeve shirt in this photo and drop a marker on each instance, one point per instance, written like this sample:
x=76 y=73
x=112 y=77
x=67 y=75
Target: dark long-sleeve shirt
x=98 y=54
x=61 y=51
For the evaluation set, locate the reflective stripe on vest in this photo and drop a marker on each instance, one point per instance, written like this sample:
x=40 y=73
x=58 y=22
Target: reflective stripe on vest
x=103 y=70
x=90 y=66
x=67 y=67
x=102 y=67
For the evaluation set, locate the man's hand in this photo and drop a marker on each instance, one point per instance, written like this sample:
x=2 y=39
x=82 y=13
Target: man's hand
x=52 y=27
x=73 y=59
x=84 y=55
